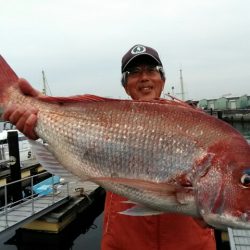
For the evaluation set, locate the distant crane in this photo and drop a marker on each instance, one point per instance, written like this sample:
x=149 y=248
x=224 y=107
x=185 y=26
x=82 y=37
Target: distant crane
x=182 y=93
x=45 y=85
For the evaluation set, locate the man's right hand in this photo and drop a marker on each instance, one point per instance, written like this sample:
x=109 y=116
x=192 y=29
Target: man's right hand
x=24 y=118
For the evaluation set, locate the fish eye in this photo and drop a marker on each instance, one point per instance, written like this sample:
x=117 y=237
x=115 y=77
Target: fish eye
x=245 y=180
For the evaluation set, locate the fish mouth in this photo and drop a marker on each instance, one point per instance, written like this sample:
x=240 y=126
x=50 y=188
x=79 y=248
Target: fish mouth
x=225 y=221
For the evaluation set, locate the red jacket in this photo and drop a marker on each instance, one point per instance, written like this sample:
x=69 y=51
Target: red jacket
x=157 y=232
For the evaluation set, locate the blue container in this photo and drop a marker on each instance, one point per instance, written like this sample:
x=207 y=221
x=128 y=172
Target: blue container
x=45 y=187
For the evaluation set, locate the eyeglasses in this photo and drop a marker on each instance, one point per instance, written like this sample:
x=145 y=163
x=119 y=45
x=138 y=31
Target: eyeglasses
x=149 y=70
x=136 y=71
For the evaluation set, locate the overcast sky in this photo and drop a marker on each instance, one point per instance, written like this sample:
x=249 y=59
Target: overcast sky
x=79 y=43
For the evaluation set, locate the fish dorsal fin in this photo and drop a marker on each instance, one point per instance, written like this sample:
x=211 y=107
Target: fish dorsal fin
x=74 y=99
x=93 y=98
x=49 y=162
x=7 y=74
x=174 y=102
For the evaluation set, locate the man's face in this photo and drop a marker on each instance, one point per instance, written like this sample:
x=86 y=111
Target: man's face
x=144 y=82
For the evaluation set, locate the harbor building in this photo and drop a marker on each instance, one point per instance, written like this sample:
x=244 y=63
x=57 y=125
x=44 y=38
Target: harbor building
x=230 y=109
x=226 y=103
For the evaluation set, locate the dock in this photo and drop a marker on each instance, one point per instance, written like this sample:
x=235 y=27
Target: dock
x=50 y=212
x=34 y=202
x=81 y=195
x=59 y=228
x=239 y=239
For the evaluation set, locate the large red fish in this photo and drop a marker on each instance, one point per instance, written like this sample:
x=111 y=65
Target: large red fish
x=164 y=156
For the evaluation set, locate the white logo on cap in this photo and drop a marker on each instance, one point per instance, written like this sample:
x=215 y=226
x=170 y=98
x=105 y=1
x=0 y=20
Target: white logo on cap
x=138 y=49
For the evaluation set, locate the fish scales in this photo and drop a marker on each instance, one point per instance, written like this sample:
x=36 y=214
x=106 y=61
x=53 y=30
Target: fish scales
x=103 y=145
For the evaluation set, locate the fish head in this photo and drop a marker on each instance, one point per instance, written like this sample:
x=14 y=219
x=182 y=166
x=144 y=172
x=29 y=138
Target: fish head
x=223 y=189
x=224 y=196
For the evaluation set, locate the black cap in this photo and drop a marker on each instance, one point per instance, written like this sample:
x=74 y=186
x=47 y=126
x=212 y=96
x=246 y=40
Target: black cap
x=140 y=50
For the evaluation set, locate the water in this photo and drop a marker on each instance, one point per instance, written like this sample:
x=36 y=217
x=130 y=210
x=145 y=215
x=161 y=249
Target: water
x=244 y=129
x=90 y=240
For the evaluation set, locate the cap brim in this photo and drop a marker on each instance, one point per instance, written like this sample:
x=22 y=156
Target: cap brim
x=139 y=55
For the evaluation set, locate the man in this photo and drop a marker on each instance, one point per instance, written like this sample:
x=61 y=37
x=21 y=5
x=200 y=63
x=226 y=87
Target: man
x=143 y=79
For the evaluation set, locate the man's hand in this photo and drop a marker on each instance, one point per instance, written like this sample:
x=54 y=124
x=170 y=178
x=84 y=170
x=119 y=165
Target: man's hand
x=24 y=118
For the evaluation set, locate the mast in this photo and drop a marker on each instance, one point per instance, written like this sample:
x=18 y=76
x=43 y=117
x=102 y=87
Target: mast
x=44 y=83
x=182 y=86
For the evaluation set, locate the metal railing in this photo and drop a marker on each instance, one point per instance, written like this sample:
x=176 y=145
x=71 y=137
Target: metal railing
x=30 y=199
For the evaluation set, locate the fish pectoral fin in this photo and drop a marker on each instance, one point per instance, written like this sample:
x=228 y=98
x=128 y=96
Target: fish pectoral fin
x=49 y=162
x=130 y=202
x=175 y=194
x=140 y=210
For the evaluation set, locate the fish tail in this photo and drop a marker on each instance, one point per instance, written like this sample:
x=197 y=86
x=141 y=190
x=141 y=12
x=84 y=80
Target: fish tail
x=7 y=78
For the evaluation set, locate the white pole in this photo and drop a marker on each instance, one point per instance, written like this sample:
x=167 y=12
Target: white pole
x=182 y=86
